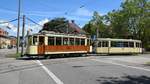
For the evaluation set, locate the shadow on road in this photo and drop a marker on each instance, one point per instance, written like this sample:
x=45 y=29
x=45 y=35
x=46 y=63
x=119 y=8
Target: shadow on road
x=124 y=80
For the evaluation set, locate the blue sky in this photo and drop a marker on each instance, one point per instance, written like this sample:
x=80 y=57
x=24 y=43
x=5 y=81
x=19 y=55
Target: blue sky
x=42 y=10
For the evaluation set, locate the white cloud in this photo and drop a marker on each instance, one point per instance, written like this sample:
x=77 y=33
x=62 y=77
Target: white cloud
x=83 y=12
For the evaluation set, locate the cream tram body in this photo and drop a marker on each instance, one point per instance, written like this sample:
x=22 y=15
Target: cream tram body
x=118 y=46
x=46 y=44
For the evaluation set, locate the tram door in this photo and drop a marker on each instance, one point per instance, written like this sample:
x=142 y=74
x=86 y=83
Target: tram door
x=41 y=46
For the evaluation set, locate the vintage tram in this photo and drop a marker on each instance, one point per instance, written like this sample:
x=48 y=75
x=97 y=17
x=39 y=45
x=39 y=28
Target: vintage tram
x=117 y=46
x=51 y=43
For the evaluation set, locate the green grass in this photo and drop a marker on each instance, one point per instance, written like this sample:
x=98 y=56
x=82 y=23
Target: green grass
x=13 y=55
x=147 y=63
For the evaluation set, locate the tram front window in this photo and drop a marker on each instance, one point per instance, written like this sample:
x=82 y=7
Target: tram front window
x=35 y=42
x=29 y=40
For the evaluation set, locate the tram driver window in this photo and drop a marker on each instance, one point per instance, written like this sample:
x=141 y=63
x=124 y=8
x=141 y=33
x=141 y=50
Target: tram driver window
x=35 y=42
x=30 y=40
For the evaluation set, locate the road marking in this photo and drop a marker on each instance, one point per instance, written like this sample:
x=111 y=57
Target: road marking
x=140 y=68
x=51 y=74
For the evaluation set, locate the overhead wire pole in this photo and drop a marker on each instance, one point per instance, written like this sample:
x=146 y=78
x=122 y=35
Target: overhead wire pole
x=18 y=29
x=23 y=39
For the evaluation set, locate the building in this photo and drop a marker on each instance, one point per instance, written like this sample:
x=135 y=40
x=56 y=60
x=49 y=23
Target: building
x=13 y=41
x=5 y=40
x=3 y=32
x=74 y=28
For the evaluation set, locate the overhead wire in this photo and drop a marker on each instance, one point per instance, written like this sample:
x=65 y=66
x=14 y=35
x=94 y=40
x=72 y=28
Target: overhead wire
x=8 y=21
x=33 y=21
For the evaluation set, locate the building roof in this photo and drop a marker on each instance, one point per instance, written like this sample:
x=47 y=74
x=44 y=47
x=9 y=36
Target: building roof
x=74 y=28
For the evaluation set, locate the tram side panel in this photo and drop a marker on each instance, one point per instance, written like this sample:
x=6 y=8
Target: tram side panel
x=106 y=46
x=45 y=49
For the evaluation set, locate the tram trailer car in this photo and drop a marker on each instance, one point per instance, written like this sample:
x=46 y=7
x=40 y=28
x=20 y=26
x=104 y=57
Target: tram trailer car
x=118 y=46
x=57 y=44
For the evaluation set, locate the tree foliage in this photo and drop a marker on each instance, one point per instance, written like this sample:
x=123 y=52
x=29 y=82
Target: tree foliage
x=132 y=21
x=56 y=24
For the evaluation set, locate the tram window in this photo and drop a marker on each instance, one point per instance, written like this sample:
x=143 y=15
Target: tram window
x=82 y=41
x=105 y=44
x=58 y=40
x=99 y=44
x=131 y=44
x=50 y=40
x=65 y=41
x=113 y=44
x=77 y=41
x=30 y=40
x=88 y=42
x=117 y=44
x=71 y=41
x=138 y=45
x=125 y=44
x=35 y=42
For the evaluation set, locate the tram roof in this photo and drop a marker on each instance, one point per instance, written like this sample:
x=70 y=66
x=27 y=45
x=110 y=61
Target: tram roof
x=59 y=35
x=112 y=39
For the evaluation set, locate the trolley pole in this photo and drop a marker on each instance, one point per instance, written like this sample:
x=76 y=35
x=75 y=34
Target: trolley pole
x=23 y=40
x=67 y=30
x=18 y=29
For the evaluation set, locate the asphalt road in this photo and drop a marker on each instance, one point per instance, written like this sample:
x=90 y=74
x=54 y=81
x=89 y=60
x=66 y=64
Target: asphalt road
x=4 y=52
x=77 y=70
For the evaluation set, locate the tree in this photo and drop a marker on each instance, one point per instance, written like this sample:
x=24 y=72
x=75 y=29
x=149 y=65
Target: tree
x=96 y=25
x=56 y=24
x=132 y=21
